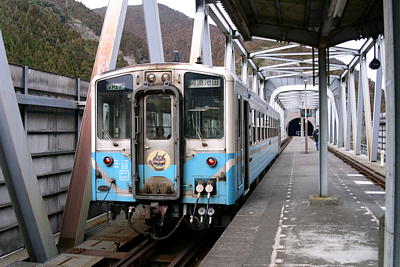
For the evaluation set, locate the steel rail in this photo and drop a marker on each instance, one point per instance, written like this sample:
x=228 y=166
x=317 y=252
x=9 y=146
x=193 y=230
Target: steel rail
x=369 y=173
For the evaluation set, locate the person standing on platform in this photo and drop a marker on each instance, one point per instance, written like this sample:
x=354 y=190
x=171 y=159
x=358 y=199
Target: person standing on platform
x=316 y=137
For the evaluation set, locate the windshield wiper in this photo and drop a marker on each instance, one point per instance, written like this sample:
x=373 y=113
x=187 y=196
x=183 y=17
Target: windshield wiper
x=198 y=132
x=109 y=137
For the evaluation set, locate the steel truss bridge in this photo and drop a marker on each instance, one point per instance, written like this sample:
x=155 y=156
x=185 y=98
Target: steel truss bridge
x=301 y=66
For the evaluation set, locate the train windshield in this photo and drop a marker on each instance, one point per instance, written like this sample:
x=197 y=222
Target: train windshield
x=113 y=107
x=204 y=106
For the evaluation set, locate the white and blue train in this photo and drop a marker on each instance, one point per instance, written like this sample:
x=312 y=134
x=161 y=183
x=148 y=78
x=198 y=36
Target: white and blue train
x=183 y=140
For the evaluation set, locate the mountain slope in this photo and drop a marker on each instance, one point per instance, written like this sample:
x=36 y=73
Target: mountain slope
x=36 y=33
x=176 y=29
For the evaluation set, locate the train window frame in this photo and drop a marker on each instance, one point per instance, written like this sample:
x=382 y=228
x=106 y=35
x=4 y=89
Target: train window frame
x=168 y=127
x=104 y=86
x=253 y=117
x=222 y=98
x=263 y=125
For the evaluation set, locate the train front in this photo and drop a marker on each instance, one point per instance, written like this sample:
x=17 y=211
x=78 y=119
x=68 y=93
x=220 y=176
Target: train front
x=159 y=141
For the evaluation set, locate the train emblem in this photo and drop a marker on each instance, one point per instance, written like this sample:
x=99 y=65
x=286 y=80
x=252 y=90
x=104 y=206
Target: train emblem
x=159 y=160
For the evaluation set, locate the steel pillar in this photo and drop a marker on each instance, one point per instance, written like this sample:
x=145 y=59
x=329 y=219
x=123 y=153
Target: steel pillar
x=352 y=110
x=255 y=82
x=391 y=9
x=78 y=197
x=323 y=123
x=342 y=123
x=245 y=75
x=229 y=53
x=206 y=46
x=17 y=167
x=201 y=42
x=153 y=31
x=377 y=105
x=26 y=89
x=366 y=104
x=360 y=111
x=329 y=121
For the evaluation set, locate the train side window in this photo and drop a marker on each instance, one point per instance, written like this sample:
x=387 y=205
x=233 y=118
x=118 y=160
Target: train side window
x=263 y=126
x=251 y=134
x=258 y=127
x=254 y=127
x=114 y=108
x=269 y=127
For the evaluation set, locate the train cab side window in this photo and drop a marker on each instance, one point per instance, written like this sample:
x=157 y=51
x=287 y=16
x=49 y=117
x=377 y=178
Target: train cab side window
x=114 y=107
x=251 y=126
x=204 y=106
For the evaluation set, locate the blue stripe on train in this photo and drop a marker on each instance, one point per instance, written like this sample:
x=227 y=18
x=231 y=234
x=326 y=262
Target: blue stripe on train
x=120 y=171
x=228 y=191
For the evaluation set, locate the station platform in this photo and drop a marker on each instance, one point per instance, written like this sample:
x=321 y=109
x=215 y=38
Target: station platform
x=278 y=226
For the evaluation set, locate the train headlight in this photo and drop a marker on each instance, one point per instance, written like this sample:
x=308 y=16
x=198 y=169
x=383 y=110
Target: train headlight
x=108 y=161
x=165 y=77
x=151 y=78
x=212 y=162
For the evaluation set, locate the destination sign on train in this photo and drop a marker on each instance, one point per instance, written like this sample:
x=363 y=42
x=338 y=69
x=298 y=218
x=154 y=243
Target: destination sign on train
x=204 y=83
x=115 y=87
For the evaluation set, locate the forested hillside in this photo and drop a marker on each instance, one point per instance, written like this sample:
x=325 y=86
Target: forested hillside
x=61 y=36
x=176 y=31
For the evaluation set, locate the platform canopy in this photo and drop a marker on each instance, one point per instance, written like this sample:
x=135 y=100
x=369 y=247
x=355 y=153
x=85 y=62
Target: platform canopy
x=316 y=23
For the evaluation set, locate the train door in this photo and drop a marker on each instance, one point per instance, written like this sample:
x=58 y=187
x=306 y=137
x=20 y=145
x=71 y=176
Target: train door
x=239 y=144
x=156 y=145
x=245 y=145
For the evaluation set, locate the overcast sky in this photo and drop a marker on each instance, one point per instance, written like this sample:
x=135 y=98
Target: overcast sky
x=185 y=6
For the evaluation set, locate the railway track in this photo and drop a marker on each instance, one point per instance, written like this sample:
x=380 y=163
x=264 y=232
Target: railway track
x=183 y=249
x=371 y=174
x=285 y=142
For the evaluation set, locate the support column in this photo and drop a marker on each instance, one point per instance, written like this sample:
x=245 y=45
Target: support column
x=255 y=81
x=77 y=112
x=245 y=75
x=78 y=197
x=153 y=31
x=301 y=126
x=359 y=115
x=342 y=123
x=201 y=42
x=391 y=9
x=352 y=111
x=329 y=122
x=26 y=89
x=17 y=167
x=229 y=59
x=323 y=123
x=377 y=106
x=206 y=44
x=367 y=105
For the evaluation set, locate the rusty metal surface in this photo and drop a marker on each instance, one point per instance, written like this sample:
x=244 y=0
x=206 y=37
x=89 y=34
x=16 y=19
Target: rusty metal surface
x=115 y=232
x=78 y=198
x=72 y=260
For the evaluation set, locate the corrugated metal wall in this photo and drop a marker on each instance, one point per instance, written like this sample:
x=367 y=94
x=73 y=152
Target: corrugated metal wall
x=51 y=115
